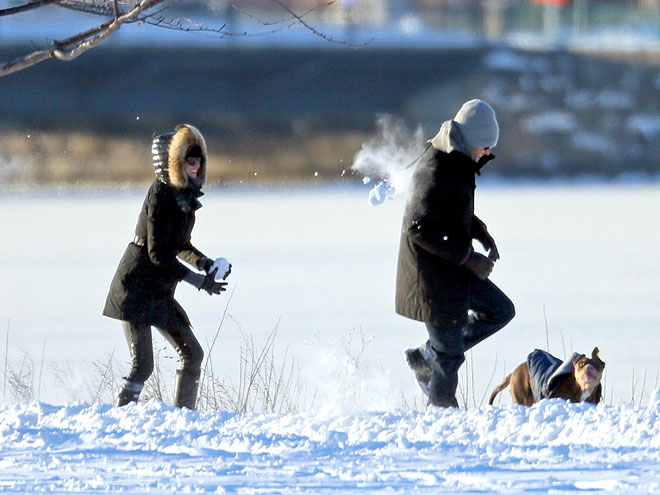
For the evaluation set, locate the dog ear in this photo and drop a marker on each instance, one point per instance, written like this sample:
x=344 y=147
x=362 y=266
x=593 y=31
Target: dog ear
x=596 y=357
x=577 y=358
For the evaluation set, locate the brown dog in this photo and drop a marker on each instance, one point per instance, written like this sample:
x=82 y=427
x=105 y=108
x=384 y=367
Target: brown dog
x=575 y=380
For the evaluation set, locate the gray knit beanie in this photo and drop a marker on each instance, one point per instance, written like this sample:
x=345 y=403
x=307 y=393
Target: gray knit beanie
x=477 y=123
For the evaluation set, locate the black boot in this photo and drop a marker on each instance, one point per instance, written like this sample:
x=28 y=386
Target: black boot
x=130 y=392
x=185 y=389
x=444 y=380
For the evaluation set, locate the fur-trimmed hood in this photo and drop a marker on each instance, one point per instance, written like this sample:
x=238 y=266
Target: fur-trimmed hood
x=169 y=155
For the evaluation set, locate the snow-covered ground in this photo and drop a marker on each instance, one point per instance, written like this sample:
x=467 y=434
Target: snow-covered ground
x=552 y=447
x=578 y=260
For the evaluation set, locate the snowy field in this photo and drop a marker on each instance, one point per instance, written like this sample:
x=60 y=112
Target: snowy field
x=578 y=260
x=549 y=448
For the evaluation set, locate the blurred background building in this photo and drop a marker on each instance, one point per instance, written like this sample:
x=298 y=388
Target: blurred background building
x=575 y=84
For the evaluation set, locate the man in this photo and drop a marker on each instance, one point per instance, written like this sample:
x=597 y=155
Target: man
x=441 y=280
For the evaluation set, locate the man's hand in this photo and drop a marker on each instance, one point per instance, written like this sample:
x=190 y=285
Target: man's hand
x=489 y=245
x=480 y=265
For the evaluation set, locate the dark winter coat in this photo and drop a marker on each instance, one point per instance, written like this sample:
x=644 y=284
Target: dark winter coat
x=432 y=284
x=142 y=290
x=544 y=370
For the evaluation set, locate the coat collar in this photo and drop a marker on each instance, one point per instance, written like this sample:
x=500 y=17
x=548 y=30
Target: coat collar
x=465 y=163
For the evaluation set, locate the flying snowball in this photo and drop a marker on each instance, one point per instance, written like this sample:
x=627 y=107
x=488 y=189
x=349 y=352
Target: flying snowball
x=379 y=194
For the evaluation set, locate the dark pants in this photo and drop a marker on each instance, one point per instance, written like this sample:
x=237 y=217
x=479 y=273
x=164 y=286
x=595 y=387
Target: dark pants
x=180 y=336
x=490 y=310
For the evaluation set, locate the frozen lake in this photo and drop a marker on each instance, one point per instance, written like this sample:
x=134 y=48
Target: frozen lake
x=578 y=261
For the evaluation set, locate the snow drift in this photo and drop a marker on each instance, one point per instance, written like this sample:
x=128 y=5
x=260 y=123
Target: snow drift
x=153 y=448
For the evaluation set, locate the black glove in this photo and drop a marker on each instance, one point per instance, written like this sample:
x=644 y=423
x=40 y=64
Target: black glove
x=205 y=264
x=480 y=265
x=211 y=286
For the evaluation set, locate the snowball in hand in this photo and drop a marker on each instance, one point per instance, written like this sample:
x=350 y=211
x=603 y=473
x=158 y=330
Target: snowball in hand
x=223 y=267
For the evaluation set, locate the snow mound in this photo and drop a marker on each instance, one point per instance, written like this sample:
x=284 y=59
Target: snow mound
x=154 y=448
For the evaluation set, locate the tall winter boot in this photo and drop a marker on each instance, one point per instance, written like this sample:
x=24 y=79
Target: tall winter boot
x=444 y=380
x=130 y=392
x=185 y=389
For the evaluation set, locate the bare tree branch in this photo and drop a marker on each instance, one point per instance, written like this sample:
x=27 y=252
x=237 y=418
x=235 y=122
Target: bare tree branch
x=291 y=17
x=144 y=12
x=153 y=18
x=314 y=31
x=114 y=26
x=81 y=42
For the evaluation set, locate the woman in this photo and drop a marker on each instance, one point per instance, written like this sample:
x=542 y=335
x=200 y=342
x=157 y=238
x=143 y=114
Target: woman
x=441 y=280
x=142 y=291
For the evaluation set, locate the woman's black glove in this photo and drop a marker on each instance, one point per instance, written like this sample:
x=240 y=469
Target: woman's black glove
x=205 y=264
x=211 y=286
x=206 y=282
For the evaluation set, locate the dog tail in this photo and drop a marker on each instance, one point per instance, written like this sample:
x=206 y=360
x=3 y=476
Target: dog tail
x=499 y=388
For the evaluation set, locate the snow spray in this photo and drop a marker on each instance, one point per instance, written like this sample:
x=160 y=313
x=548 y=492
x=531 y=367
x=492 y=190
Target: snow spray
x=390 y=157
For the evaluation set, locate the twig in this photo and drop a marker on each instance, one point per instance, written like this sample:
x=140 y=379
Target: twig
x=154 y=387
x=215 y=338
x=106 y=377
x=217 y=332
x=83 y=41
x=280 y=21
x=105 y=33
x=4 y=386
x=464 y=393
x=299 y=19
x=483 y=397
x=41 y=369
x=22 y=380
x=641 y=395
